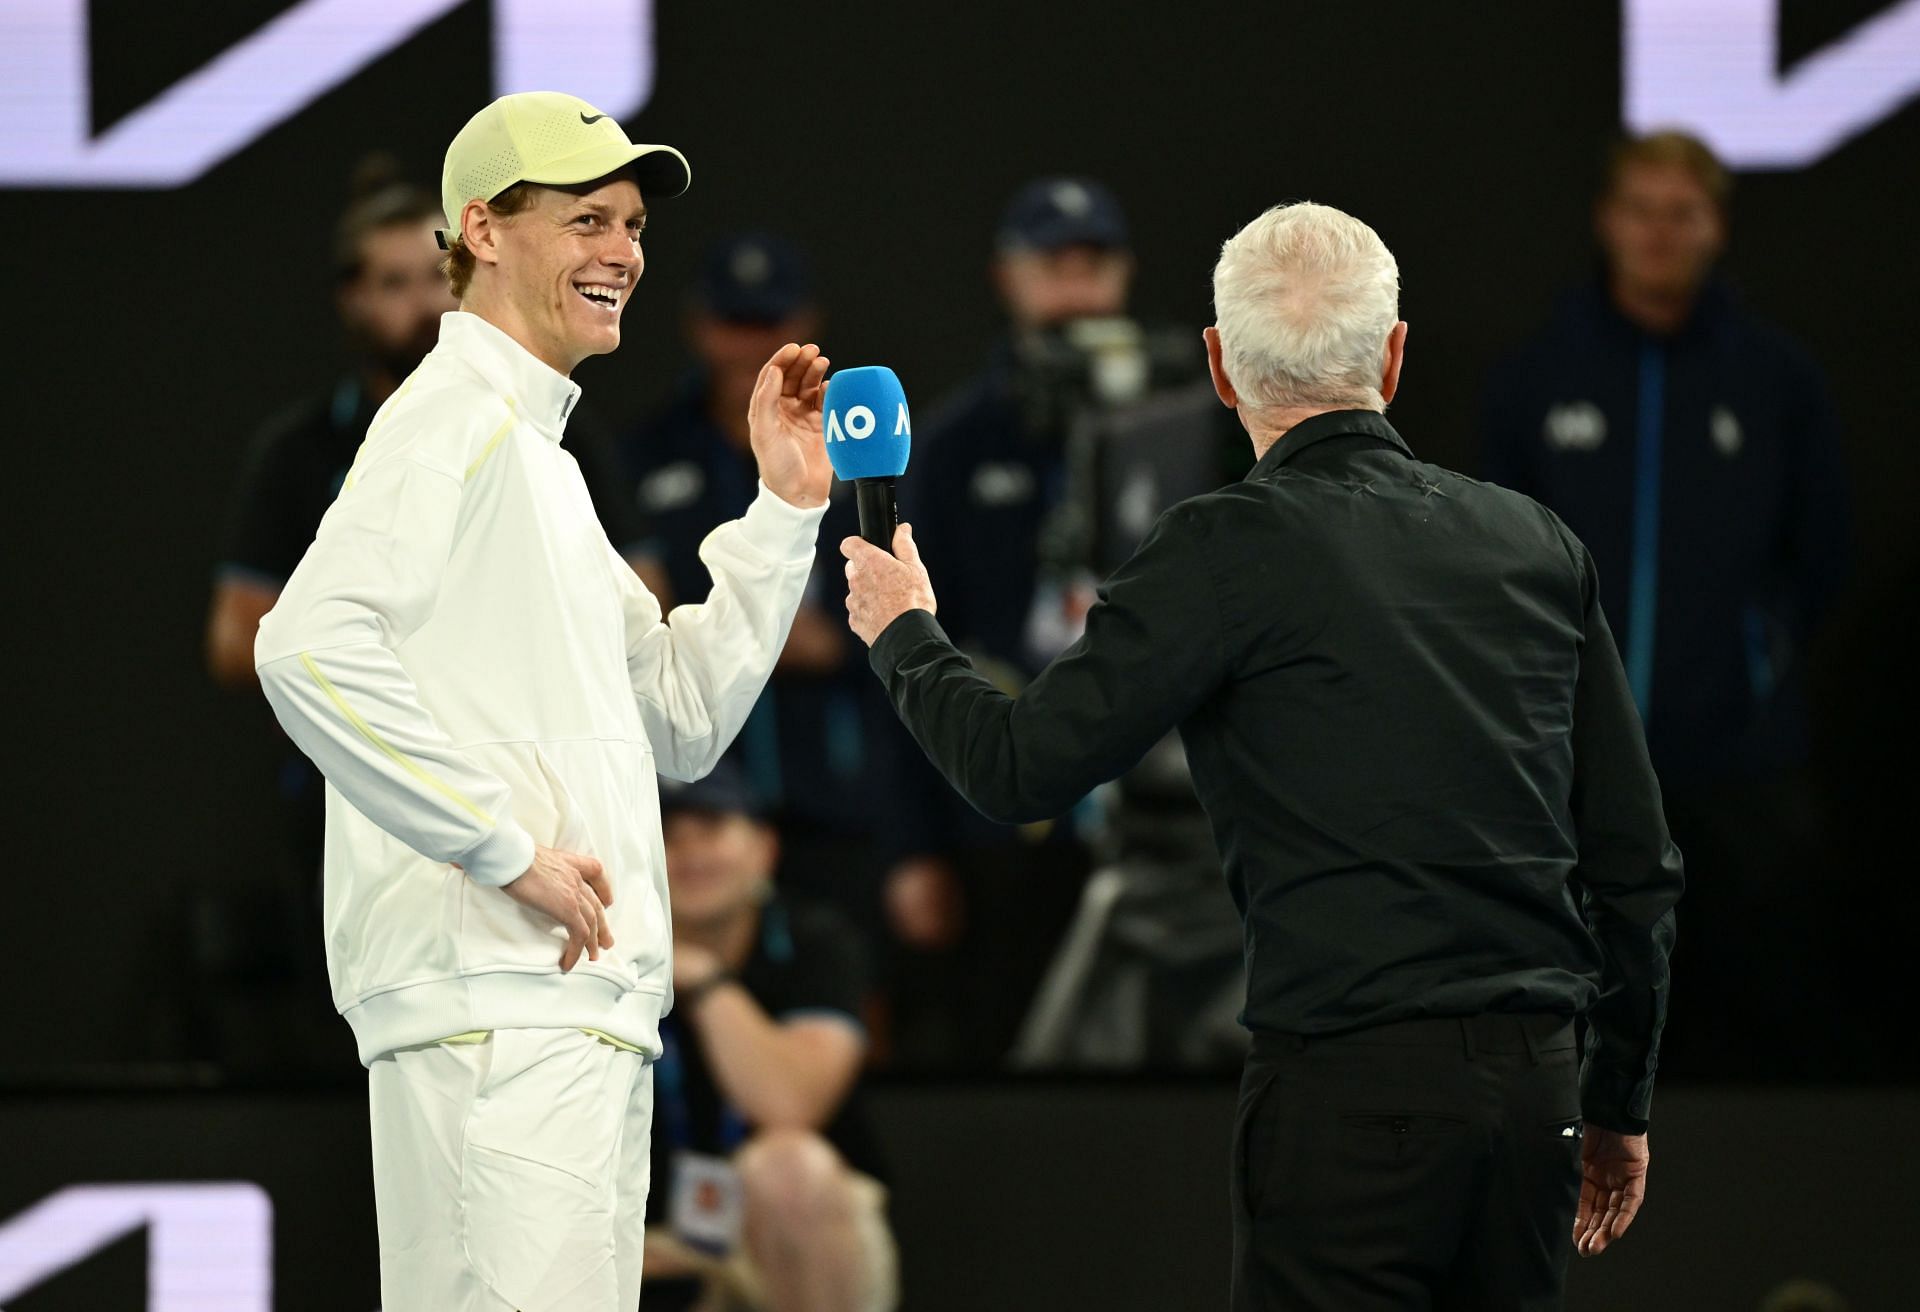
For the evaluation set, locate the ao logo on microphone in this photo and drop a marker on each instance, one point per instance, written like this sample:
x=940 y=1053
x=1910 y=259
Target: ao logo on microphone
x=860 y=422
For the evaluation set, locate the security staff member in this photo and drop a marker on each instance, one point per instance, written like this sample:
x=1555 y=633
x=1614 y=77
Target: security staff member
x=804 y=749
x=1693 y=448
x=1412 y=733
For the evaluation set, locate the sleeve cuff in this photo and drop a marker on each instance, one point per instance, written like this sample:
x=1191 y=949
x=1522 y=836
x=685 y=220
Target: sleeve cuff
x=908 y=630
x=501 y=857
x=1611 y=1099
x=778 y=530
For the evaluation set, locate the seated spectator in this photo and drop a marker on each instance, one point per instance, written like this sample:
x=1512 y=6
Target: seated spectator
x=764 y=1194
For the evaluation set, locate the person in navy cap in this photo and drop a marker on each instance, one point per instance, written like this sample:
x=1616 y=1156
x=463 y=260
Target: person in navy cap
x=979 y=908
x=804 y=749
x=1063 y=253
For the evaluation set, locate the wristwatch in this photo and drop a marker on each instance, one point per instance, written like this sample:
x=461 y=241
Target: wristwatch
x=689 y=997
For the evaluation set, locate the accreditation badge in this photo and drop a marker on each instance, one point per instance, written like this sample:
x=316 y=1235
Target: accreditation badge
x=708 y=1207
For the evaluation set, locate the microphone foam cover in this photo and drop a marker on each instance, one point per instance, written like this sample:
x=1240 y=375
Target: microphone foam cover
x=867 y=426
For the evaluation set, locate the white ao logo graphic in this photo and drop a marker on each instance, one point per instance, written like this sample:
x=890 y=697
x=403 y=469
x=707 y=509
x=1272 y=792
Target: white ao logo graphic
x=1723 y=426
x=1714 y=66
x=1575 y=426
x=1708 y=65
x=599 y=50
x=860 y=424
x=208 y=1245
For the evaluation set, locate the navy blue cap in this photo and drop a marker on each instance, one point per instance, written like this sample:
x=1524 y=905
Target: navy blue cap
x=1049 y=213
x=755 y=277
x=724 y=791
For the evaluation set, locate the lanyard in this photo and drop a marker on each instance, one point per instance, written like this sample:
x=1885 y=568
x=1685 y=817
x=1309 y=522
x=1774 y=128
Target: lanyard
x=1644 y=581
x=671 y=1108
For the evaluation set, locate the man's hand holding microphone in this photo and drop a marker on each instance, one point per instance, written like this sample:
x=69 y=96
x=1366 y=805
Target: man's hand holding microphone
x=869 y=435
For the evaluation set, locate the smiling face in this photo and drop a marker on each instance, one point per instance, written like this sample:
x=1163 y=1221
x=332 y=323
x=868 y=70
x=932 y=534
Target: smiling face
x=557 y=274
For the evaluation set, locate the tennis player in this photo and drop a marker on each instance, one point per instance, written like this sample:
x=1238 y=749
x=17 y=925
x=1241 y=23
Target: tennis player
x=490 y=692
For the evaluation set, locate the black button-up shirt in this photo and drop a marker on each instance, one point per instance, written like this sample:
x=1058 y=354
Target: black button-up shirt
x=1409 y=726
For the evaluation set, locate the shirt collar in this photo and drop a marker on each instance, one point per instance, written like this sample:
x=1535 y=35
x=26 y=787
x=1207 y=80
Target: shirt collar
x=538 y=393
x=1321 y=427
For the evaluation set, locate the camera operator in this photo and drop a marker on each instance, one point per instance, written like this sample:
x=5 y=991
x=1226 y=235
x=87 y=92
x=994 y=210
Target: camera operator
x=1020 y=467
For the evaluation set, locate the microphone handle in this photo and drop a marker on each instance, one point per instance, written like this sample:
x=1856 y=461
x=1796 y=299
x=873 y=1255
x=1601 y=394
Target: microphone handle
x=879 y=513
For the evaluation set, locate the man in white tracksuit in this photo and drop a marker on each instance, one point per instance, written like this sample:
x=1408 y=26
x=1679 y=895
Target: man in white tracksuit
x=490 y=692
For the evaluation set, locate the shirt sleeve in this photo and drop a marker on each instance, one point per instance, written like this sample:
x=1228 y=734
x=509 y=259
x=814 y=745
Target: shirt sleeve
x=264 y=535
x=1153 y=650
x=325 y=655
x=830 y=975
x=1629 y=872
x=697 y=675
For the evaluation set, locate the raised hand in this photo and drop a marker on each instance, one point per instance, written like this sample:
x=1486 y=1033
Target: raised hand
x=575 y=891
x=1613 y=1184
x=783 y=424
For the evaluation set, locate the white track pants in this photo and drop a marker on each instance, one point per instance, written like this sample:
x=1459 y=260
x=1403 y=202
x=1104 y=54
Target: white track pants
x=511 y=1175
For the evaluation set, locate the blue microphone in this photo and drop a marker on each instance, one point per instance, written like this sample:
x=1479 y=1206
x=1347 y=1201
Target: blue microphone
x=868 y=436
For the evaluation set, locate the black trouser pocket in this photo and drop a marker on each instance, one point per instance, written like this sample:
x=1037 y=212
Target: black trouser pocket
x=1252 y=1138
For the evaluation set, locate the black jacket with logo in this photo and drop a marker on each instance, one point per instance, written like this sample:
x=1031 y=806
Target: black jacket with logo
x=1408 y=724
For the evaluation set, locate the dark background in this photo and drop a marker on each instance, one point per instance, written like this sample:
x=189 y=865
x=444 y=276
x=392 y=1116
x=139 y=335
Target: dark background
x=154 y=330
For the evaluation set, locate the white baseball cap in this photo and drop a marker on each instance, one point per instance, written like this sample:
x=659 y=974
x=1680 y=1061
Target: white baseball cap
x=547 y=137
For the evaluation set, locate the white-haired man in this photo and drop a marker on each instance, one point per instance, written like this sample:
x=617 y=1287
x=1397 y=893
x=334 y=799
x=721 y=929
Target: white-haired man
x=489 y=691
x=1412 y=733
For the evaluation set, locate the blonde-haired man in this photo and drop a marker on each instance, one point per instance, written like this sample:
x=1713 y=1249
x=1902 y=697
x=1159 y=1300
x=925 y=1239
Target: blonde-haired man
x=1696 y=449
x=1412 y=733
x=490 y=691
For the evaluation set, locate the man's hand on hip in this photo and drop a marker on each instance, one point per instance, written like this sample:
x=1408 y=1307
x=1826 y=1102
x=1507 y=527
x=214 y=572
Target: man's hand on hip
x=881 y=588
x=783 y=425
x=1613 y=1184
x=573 y=890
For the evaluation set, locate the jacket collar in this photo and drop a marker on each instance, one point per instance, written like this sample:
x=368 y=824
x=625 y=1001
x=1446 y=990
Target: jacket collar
x=540 y=395
x=1711 y=308
x=1320 y=428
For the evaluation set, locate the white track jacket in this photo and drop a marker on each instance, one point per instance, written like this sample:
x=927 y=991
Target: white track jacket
x=475 y=670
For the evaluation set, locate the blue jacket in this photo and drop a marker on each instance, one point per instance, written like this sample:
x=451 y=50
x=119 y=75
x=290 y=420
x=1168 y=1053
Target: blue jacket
x=1703 y=472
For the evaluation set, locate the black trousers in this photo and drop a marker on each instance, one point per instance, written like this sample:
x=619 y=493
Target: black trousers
x=1424 y=1164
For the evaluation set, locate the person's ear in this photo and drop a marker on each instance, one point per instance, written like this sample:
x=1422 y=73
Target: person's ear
x=1396 y=353
x=803 y=326
x=1000 y=274
x=480 y=230
x=1603 y=223
x=1719 y=233
x=348 y=297
x=769 y=849
x=1222 y=385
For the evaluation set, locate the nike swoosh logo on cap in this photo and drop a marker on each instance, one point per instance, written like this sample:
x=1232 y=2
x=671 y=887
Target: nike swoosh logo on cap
x=593 y=118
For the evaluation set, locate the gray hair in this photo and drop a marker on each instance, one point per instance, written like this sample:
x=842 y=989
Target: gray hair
x=1305 y=298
